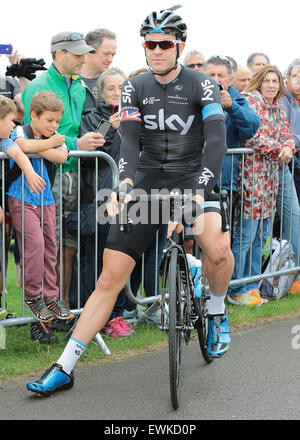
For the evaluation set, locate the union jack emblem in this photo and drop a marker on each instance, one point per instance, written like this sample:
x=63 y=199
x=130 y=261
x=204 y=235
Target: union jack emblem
x=130 y=115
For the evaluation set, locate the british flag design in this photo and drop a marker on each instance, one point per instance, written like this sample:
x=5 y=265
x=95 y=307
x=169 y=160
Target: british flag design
x=130 y=115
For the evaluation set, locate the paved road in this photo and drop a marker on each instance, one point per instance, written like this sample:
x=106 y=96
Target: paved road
x=258 y=378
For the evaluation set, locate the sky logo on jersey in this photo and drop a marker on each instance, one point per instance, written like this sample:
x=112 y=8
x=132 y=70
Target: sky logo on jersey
x=208 y=90
x=126 y=93
x=205 y=177
x=152 y=123
x=122 y=164
x=130 y=115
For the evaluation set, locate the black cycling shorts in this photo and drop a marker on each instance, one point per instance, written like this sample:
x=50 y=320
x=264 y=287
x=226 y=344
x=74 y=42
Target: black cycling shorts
x=135 y=243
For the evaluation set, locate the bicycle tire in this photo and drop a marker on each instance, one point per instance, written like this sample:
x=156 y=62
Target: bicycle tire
x=175 y=334
x=202 y=329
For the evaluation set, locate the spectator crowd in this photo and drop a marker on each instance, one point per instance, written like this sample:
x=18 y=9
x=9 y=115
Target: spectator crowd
x=63 y=109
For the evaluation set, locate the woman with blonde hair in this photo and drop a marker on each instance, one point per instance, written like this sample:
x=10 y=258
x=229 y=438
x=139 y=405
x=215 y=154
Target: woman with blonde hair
x=258 y=180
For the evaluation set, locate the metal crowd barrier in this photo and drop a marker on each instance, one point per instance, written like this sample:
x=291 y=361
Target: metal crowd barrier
x=141 y=299
x=79 y=154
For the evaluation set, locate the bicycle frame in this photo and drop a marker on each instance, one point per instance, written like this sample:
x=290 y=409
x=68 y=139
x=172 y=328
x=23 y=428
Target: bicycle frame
x=186 y=312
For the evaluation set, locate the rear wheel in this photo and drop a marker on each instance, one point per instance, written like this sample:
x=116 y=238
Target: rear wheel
x=175 y=327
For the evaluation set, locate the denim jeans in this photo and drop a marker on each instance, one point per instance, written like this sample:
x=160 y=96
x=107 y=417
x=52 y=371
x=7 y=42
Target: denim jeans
x=243 y=244
x=287 y=205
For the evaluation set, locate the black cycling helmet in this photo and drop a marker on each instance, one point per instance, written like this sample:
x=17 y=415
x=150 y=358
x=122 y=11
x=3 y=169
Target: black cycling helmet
x=166 y=22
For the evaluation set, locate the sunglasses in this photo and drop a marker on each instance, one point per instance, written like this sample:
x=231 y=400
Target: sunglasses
x=221 y=58
x=192 y=66
x=163 y=44
x=74 y=36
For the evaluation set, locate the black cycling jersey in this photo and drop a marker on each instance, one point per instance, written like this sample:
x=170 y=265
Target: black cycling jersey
x=180 y=127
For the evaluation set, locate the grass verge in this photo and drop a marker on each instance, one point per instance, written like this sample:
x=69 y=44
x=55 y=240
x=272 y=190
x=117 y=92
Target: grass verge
x=23 y=356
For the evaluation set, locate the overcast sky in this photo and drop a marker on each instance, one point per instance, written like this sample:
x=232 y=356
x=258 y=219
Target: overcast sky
x=230 y=27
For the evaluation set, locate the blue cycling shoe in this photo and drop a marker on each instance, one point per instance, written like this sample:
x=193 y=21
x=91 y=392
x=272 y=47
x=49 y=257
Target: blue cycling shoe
x=54 y=378
x=218 y=337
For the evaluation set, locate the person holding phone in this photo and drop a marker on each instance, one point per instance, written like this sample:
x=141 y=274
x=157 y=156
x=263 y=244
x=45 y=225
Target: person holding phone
x=9 y=86
x=110 y=86
x=241 y=124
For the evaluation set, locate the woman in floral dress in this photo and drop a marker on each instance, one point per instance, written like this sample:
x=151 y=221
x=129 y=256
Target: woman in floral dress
x=258 y=180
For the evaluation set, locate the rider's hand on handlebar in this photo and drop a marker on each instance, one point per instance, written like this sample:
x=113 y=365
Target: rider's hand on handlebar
x=178 y=227
x=112 y=207
x=172 y=226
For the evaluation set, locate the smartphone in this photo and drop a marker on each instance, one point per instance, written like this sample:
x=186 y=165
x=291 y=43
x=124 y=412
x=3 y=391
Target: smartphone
x=103 y=127
x=220 y=86
x=6 y=49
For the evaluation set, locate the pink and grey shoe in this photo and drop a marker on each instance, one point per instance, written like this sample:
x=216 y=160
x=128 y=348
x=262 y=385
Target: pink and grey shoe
x=118 y=328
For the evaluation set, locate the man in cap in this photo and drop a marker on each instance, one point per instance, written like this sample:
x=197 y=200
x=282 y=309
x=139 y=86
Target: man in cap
x=68 y=51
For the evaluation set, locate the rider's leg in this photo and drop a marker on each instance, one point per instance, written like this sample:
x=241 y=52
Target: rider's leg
x=215 y=244
x=117 y=268
x=219 y=265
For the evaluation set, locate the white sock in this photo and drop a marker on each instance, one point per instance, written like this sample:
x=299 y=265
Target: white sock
x=72 y=352
x=216 y=304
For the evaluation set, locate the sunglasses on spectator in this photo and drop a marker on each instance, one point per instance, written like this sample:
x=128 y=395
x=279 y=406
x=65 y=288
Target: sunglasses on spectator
x=192 y=66
x=219 y=57
x=74 y=36
x=163 y=44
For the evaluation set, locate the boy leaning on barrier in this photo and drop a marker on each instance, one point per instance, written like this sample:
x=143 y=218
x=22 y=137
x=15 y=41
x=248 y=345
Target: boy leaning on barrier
x=8 y=110
x=40 y=250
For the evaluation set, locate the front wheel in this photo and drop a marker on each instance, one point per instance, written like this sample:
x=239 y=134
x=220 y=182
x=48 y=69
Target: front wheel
x=175 y=326
x=202 y=329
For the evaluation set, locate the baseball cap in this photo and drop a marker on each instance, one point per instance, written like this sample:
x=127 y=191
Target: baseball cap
x=73 y=42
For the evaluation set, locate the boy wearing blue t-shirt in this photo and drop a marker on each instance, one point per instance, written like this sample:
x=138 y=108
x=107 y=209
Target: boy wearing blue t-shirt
x=40 y=249
x=8 y=110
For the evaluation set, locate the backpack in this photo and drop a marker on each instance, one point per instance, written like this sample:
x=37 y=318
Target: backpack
x=282 y=258
x=91 y=116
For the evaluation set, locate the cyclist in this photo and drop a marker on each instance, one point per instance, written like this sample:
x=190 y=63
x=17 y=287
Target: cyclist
x=175 y=113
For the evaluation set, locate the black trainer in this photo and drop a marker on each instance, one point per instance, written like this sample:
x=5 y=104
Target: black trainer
x=38 y=308
x=42 y=332
x=58 y=308
x=60 y=325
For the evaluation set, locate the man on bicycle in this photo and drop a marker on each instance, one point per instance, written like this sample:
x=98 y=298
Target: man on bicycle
x=175 y=114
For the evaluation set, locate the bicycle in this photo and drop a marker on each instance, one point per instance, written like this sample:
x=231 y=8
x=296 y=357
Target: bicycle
x=187 y=311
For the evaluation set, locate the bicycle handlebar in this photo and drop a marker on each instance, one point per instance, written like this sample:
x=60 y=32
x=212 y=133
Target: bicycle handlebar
x=176 y=200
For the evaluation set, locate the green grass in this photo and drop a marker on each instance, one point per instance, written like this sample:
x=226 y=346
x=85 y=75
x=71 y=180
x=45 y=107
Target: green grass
x=23 y=356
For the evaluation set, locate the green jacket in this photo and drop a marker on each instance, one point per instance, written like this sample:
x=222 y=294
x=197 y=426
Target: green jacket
x=73 y=99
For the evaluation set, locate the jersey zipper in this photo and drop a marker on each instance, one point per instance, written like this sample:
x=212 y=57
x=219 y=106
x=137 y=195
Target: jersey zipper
x=166 y=135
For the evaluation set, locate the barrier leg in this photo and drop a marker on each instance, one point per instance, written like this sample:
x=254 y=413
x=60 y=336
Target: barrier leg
x=2 y=337
x=102 y=344
x=98 y=338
